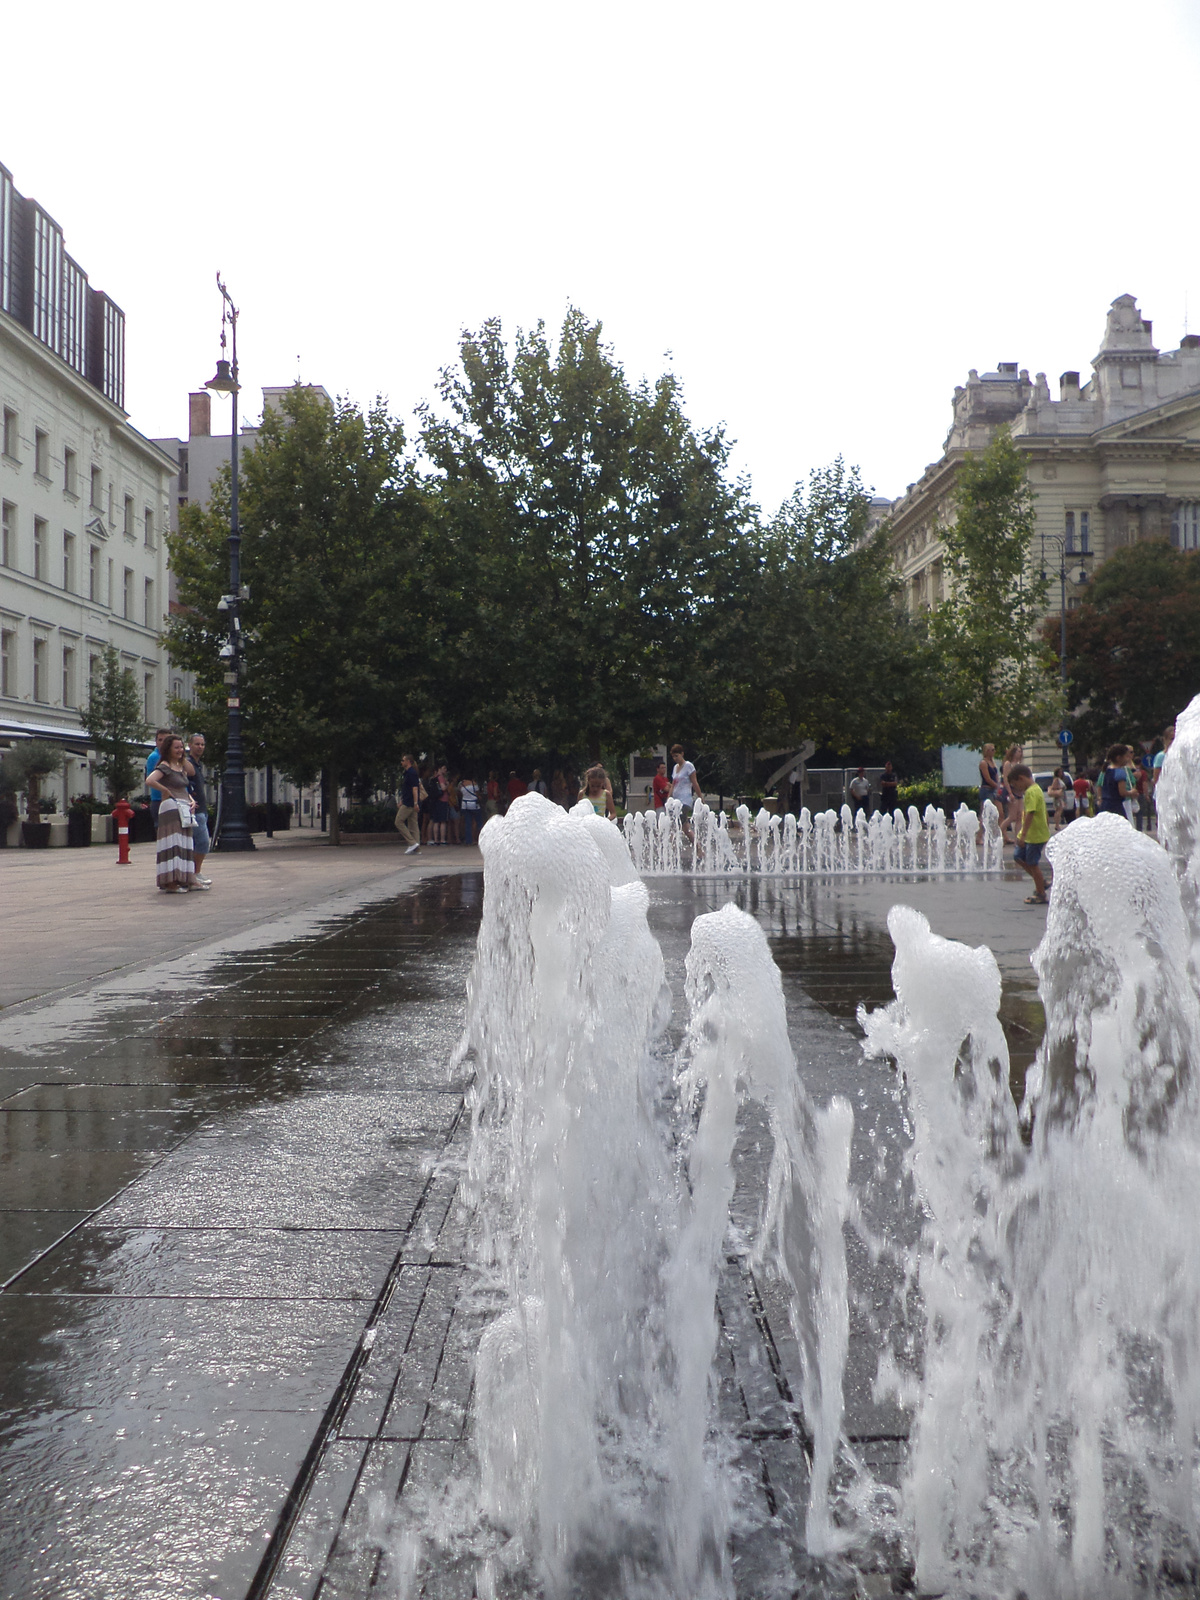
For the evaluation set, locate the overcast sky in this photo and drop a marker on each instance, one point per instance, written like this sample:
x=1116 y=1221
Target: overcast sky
x=825 y=213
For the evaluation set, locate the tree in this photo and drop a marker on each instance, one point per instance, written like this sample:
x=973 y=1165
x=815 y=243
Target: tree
x=114 y=724
x=333 y=524
x=994 y=669
x=24 y=766
x=595 y=536
x=1133 y=645
x=830 y=654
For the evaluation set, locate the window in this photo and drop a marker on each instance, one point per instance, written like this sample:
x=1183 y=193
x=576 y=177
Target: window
x=41 y=453
x=8 y=534
x=39 y=547
x=93 y=671
x=183 y=470
x=94 y=572
x=39 y=669
x=68 y=698
x=69 y=562
x=1078 y=531
x=8 y=663
x=128 y=527
x=177 y=688
x=127 y=600
x=110 y=585
x=148 y=526
x=11 y=442
x=148 y=697
x=1185 y=526
x=94 y=492
x=70 y=471
x=151 y=619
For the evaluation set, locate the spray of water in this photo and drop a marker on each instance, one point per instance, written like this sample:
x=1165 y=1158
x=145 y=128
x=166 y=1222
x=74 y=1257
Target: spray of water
x=1054 y=1444
x=604 y=1214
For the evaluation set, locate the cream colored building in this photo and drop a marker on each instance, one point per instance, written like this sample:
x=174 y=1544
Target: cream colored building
x=83 y=498
x=1111 y=462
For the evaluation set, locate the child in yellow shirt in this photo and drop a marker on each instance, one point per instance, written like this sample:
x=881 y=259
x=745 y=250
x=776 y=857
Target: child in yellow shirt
x=1034 y=832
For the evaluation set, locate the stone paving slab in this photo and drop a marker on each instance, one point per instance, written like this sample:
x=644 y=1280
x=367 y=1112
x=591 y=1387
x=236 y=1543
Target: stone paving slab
x=259 y=1349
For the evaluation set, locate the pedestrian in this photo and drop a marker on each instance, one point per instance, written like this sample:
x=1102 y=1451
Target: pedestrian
x=454 y=817
x=197 y=788
x=175 y=873
x=1142 y=808
x=1054 y=797
x=661 y=786
x=889 y=789
x=493 y=793
x=989 y=777
x=860 y=792
x=152 y=760
x=1161 y=756
x=1034 y=831
x=572 y=783
x=469 y=807
x=439 y=810
x=1013 y=818
x=1115 y=787
x=537 y=784
x=558 y=787
x=597 y=791
x=408 y=811
x=1067 y=805
x=1083 y=791
x=516 y=788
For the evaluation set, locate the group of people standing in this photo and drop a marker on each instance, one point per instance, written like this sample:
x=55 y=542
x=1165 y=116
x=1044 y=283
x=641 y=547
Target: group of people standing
x=438 y=807
x=1123 y=787
x=179 y=806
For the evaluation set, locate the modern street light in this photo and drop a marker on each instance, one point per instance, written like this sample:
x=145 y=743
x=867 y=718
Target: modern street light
x=1077 y=577
x=235 y=828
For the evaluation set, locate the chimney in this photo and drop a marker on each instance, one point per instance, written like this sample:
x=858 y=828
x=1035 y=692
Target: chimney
x=1068 y=386
x=199 y=415
x=1190 y=341
x=1149 y=327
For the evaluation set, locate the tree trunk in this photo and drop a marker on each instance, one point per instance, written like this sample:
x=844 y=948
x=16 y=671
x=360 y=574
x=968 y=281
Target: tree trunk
x=331 y=780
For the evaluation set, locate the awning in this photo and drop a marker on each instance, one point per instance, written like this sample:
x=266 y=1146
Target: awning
x=75 y=739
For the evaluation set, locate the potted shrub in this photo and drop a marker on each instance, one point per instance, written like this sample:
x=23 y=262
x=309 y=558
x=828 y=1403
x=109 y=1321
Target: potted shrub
x=24 y=766
x=79 y=822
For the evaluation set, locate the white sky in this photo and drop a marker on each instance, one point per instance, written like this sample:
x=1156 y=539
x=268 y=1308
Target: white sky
x=826 y=213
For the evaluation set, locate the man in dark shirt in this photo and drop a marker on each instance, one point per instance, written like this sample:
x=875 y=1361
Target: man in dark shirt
x=199 y=793
x=408 y=811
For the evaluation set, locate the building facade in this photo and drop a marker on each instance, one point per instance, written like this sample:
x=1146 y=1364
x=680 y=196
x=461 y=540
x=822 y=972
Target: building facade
x=84 y=498
x=1111 y=462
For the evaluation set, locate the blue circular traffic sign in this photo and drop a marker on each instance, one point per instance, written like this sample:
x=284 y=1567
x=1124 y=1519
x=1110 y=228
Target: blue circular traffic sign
x=1065 y=737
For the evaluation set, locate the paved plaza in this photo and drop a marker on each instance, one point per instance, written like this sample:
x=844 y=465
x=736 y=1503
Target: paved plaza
x=236 y=1332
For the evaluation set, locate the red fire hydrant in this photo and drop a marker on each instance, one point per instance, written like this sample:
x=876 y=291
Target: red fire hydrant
x=122 y=815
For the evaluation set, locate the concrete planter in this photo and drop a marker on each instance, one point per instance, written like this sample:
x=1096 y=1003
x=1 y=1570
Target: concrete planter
x=102 y=829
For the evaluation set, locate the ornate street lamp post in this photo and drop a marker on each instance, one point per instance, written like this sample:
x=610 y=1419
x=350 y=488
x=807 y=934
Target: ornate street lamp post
x=1080 y=577
x=235 y=830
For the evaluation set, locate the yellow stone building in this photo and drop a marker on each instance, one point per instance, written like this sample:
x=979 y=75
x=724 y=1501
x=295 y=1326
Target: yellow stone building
x=1111 y=462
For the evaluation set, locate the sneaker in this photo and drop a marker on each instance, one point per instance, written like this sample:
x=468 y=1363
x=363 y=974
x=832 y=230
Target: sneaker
x=412 y=849
x=199 y=884
x=207 y=882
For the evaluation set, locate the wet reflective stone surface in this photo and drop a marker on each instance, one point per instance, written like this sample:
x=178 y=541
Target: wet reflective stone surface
x=236 y=1333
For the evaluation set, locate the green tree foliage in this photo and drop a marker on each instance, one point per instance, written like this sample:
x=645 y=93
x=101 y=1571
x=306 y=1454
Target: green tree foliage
x=115 y=725
x=593 y=536
x=1133 y=645
x=829 y=653
x=24 y=766
x=994 y=678
x=333 y=531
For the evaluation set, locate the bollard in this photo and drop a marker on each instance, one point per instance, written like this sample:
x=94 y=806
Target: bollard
x=122 y=815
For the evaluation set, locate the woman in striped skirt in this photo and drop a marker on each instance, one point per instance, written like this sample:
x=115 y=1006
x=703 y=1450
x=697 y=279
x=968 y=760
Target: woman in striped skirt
x=176 y=872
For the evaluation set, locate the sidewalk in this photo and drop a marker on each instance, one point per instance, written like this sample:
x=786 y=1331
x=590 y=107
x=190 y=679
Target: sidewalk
x=81 y=917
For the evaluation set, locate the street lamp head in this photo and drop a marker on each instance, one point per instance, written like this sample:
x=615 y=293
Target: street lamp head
x=224 y=381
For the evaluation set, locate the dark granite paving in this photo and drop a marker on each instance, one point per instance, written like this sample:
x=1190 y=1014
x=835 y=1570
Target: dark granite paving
x=236 y=1332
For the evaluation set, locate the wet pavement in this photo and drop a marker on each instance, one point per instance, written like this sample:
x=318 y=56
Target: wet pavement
x=236 y=1332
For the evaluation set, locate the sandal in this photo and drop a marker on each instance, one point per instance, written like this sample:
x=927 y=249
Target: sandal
x=1037 y=900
